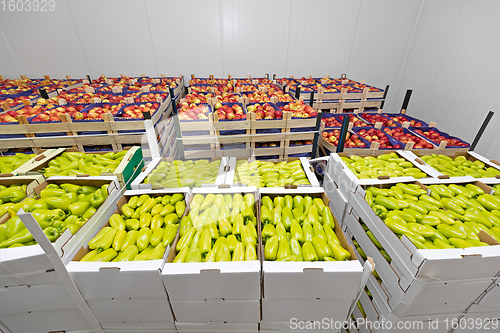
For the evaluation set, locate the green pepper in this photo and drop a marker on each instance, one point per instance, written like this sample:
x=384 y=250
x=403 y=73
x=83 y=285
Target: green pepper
x=89 y=256
x=129 y=253
x=295 y=249
x=307 y=230
x=296 y=232
x=181 y=256
x=175 y=198
x=396 y=226
x=116 y=222
x=321 y=247
x=247 y=214
x=127 y=210
x=14 y=226
x=212 y=228
x=169 y=234
x=51 y=233
x=338 y=252
x=279 y=201
x=238 y=224
x=280 y=231
x=130 y=240
x=478 y=218
x=268 y=232
x=426 y=198
x=495 y=220
x=218 y=243
x=186 y=239
x=474 y=190
x=418 y=207
x=239 y=252
x=450 y=232
x=380 y=211
x=268 y=203
x=13 y=195
x=106 y=255
x=288 y=202
x=52 y=192
x=142 y=199
x=147 y=206
x=87 y=189
x=247 y=237
x=460 y=243
x=157 y=221
x=328 y=218
x=369 y=198
x=3 y=232
x=119 y=240
x=145 y=220
x=283 y=249
x=265 y=215
x=250 y=253
x=143 y=238
x=104 y=191
x=78 y=208
x=107 y=240
x=71 y=188
x=318 y=231
x=223 y=254
x=94 y=242
x=308 y=252
x=387 y=202
x=277 y=214
x=231 y=243
x=488 y=201
x=23 y=236
x=271 y=248
x=58 y=203
x=374 y=240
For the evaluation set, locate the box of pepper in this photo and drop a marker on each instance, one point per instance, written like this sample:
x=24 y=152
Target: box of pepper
x=66 y=208
x=304 y=250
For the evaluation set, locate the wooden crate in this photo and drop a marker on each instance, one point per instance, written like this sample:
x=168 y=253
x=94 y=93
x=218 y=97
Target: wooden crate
x=109 y=125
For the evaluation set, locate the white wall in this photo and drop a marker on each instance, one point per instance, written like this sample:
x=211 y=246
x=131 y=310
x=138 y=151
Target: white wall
x=446 y=51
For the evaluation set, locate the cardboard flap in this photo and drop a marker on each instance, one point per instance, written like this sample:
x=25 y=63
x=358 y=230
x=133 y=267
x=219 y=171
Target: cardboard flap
x=486 y=238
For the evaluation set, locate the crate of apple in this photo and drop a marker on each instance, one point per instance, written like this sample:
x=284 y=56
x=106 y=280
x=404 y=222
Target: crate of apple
x=95 y=112
x=197 y=97
x=351 y=140
x=405 y=136
x=150 y=97
x=413 y=122
x=336 y=121
x=202 y=89
x=301 y=143
x=378 y=118
x=265 y=111
x=376 y=135
x=436 y=137
x=229 y=111
x=299 y=110
x=53 y=114
x=188 y=112
x=362 y=86
x=134 y=111
x=258 y=97
x=267 y=144
x=28 y=111
x=227 y=97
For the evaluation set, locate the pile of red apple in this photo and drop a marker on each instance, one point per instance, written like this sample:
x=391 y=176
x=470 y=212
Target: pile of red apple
x=135 y=111
x=301 y=143
x=265 y=111
x=399 y=134
x=267 y=144
x=299 y=110
x=193 y=111
x=351 y=141
x=436 y=137
x=50 y=115
x=402 y=119
x=16 y=100
x=363 y=86
x=201 y=89
x=378 y=118
x=149 y=97
x=376 y=135
x=198 y=98
x=333 y=122
x=225 y=111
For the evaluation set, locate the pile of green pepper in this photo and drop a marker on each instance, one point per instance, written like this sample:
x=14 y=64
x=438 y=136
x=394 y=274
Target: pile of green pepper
x=450 y=217
x=57 y=208
x=143 y=230
x=460 y=166
x=268 y=174
x=299 y=229
x=391 y=164
x=76 y=163
x=11 y=195
x=218 y=228
x=180 y=173
x=11 y=163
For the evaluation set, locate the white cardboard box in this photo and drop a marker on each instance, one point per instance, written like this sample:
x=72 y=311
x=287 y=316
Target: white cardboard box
x=216 y=310
x=304 y=309
x=481 y=262
x=311 y=280
x=138 y=184
x=65 y=320
x=296 y=326
x=338 y=203
x=132 y=310
x=216 y=280
x=120 y=280
x=29 y=264
x=346 y=181
x=217 y=327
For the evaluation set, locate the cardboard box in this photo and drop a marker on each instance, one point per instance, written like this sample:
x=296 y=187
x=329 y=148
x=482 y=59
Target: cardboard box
x=481 y=262
x=311 y=280
x=138 y=183
x=489 y=300
x=127 y=168
x=305 y=309
x=338 y=203
x=346 y=181
x=132 y=310
x=64 y=320
x=306 y=166
x=213 y=280
x=30 y=181
x=217 y=327
x=216 y=310
x=29 y=264
x=47 y=154
x=99 y=281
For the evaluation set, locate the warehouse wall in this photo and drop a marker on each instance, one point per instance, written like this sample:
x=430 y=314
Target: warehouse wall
x=220 y=37
x=446 y=51
x=453 y=69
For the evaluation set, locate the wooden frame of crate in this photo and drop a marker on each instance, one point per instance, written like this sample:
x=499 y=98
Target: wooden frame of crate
x=250 y=138
x=109 y=125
